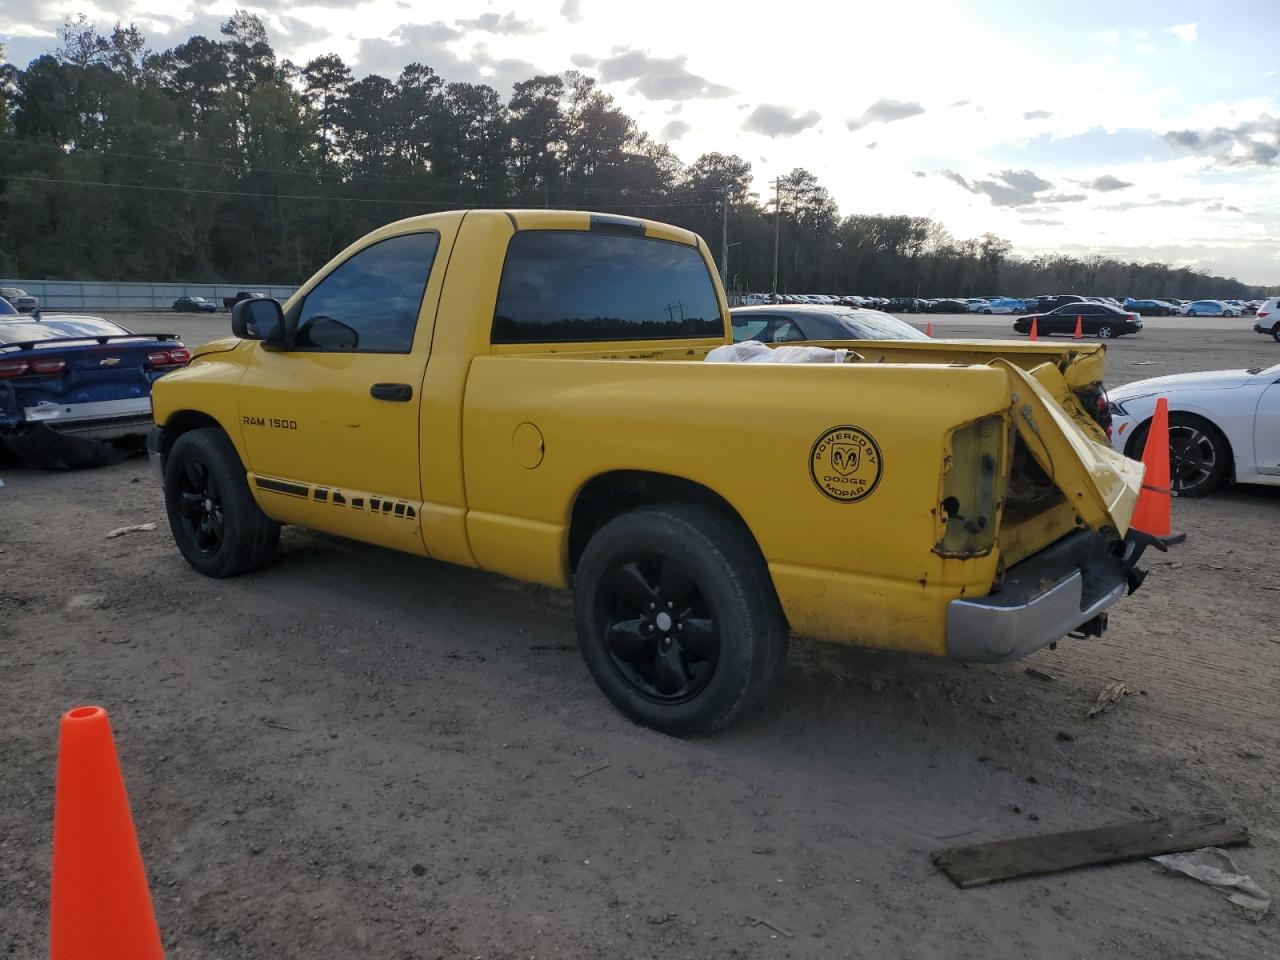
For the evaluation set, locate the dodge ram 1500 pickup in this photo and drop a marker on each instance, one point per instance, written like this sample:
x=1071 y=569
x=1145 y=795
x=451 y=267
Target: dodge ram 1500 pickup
x=523 y=392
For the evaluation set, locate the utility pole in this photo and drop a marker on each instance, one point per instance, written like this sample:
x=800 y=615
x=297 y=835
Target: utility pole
x=724 y=237
x=777 y=214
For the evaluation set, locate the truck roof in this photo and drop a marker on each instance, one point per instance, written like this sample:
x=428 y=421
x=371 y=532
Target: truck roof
x=539 y=219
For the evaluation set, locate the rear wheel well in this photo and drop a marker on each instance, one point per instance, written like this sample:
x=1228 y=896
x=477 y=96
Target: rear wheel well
x=611 y=494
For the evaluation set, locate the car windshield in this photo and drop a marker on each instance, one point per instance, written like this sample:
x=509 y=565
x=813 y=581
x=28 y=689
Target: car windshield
x=198 y=300
x=869 y=325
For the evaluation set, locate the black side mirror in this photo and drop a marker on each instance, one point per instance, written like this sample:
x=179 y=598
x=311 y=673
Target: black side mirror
x=258 y=319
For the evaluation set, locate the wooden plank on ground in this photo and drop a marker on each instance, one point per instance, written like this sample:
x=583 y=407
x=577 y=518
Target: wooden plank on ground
x=983 y=863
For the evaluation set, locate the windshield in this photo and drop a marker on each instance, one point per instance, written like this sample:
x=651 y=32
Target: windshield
x=871 y=325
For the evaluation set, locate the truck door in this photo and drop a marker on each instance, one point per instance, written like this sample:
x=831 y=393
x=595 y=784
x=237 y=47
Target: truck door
x=1266 y=430
x=330 y=424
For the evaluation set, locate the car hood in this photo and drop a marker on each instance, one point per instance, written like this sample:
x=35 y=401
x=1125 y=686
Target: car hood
x=1204 y=380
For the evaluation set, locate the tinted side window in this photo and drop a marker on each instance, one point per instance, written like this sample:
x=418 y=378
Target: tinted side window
x=370 y=302
x=581 y=286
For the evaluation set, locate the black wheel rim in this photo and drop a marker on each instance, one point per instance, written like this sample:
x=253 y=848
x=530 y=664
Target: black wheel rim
x=200 y=506
x=1192 y=457
x=657 y=628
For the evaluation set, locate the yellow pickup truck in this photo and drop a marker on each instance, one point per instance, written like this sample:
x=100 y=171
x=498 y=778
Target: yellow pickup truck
x=525 y=392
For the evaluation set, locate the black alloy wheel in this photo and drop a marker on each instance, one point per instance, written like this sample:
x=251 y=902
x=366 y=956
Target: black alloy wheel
x=1193 y=459
x=677 y=617
x=200 y=506
x=661 y=634
x=216 y=524
x=1199 y=455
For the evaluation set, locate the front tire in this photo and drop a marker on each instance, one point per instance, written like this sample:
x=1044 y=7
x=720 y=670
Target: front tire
x=1199 y=455
x=219 y=528
x=677 y=618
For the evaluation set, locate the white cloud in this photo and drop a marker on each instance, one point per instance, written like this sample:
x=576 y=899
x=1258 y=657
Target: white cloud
x=1107 y=37
x=1187 y=31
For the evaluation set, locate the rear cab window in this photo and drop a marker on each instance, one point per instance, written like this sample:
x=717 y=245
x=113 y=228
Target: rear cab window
x=561 y=286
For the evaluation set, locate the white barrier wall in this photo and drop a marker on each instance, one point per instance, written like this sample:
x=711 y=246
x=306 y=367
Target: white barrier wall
x=92 y=295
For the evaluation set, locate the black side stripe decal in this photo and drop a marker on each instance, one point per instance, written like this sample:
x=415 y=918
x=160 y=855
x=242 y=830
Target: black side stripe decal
x=386 y=506
x=283 y=486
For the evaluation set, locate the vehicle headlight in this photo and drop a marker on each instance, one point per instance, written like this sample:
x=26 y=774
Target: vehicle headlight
x=1118 y=406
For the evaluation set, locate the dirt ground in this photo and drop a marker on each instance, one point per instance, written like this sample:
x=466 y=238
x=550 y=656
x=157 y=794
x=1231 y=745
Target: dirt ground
x=358 y=753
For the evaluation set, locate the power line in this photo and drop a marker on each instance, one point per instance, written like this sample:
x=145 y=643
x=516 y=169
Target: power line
x=446 y=204
x=230 y=167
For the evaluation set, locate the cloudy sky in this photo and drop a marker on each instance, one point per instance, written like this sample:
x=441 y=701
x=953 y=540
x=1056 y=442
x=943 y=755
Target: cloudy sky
x=1148 y=128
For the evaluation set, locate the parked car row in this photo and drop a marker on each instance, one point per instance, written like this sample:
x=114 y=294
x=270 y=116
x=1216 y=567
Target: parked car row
x=1150 y=307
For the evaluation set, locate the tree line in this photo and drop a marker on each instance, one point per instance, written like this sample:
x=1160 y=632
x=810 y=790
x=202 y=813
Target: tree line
x=216 y=160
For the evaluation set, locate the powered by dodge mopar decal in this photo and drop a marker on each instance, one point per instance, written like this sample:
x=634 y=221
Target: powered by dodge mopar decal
x=845 y=464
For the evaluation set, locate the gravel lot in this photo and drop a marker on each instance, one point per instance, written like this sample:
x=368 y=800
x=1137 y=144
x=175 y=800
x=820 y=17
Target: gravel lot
x=358 y=753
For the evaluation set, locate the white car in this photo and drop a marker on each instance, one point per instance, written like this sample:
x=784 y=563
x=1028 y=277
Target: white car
x=1209 y=308
x=1223 y=425
x=1267 y=319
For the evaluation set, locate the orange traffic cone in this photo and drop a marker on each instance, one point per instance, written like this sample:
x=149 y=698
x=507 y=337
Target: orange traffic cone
x=1152 y=513
x=1079 y=334
x=928 y=329
x=100 y=906
x=1035 y=335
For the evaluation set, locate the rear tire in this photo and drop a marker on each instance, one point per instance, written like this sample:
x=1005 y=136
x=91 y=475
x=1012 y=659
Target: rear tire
x=1104 y=332
x=677 y=618
x=1275 y=333
x=219 y=528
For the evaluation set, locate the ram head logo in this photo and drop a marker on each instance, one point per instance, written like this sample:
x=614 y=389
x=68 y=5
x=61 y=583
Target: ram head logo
x=844 y=458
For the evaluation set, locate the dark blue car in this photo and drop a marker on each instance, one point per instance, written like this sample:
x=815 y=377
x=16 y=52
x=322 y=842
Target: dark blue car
x=74 y=390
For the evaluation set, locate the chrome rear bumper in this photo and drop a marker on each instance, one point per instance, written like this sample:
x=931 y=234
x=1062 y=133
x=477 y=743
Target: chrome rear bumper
x=1064 y=588
x=97 y=420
